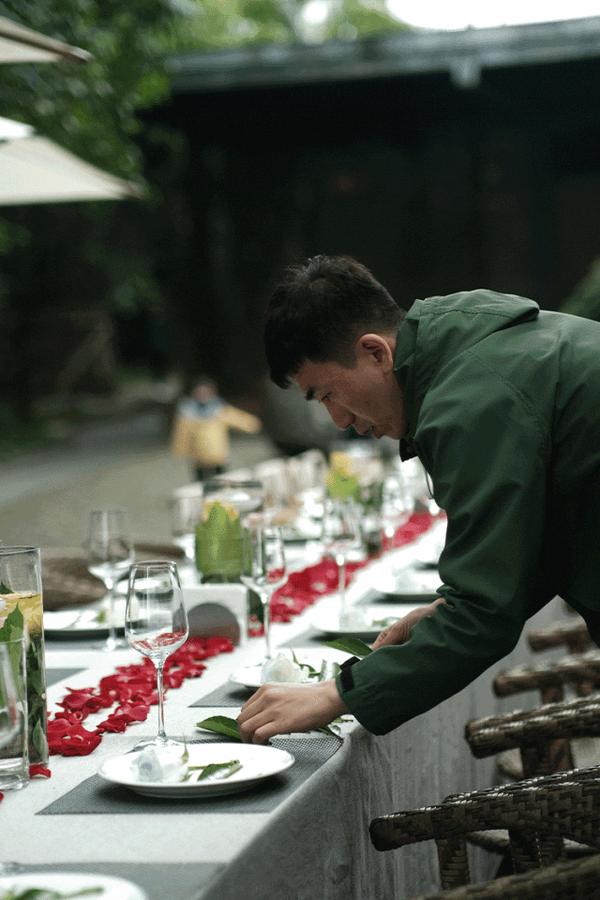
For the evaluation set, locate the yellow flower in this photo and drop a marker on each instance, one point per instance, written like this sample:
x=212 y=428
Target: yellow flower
x=232 y=512
x=30 y=606
x=341 y=463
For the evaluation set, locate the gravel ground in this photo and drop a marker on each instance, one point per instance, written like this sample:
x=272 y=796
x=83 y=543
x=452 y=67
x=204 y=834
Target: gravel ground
x=46 y=495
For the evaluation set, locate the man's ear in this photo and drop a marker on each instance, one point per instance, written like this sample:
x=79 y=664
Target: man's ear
x=379 y=347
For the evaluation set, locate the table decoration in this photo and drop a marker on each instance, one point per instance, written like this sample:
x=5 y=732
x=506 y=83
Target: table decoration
x=218 y=533
x=227 y=727
x=252 y=764
x=131 y=689
x=14 y=753
x=21 y=614
x=353 y=646
x=304 y=587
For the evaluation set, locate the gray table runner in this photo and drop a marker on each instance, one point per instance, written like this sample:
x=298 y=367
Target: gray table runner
x=95 y=796
x=228 y=694
x=55 y=675
x=175 y=881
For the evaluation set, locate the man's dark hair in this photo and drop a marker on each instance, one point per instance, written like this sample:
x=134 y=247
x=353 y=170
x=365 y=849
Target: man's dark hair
x=318 y=311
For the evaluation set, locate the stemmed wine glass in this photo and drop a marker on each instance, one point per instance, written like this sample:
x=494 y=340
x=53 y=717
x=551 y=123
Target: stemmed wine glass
x=156 y=624
x=341 y=538
x=397 y=505
x=264 y=567
x=110 y=554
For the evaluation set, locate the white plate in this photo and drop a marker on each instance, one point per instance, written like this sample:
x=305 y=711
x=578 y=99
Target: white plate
x=367 y=624
x=70 y=882
x=408 y=585
x=250 y=676
x=81 y=622
x=258 y=763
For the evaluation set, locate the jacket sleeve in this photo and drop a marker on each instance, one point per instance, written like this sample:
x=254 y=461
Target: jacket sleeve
x=487 y=454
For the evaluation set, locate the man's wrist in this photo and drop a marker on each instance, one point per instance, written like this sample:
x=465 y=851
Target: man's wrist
x=333 y=699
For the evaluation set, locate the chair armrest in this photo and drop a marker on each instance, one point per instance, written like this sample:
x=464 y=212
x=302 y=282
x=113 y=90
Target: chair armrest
x=575 y=637
x=570 y=719
x=581 y=669
x=579 y=878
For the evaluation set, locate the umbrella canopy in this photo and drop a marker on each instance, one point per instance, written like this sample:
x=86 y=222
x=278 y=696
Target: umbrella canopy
x=21 y=45
x=34 y=169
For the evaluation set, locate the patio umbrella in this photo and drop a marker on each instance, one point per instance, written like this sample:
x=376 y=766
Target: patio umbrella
x=21 y=45
x=34 y=169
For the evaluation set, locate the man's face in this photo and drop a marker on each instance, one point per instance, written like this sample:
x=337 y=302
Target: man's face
x=366 y=396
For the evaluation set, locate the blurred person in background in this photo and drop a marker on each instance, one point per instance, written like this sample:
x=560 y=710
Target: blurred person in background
x=501 y=402
x=201 y=429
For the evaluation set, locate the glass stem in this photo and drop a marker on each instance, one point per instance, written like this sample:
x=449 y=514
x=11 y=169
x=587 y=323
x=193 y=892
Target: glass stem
x=266 y=604
x=160 y=691
x=341 y=561
x=111 y=640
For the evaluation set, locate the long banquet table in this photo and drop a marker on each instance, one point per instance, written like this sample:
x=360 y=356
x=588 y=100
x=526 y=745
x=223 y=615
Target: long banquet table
x=304 y=836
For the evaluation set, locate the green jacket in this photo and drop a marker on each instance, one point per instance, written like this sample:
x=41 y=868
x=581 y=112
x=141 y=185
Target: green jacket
x=502 y=406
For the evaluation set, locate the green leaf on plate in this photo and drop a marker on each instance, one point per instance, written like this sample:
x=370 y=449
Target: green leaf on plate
x=221 y=725
x=351 y=645
x=221 y=770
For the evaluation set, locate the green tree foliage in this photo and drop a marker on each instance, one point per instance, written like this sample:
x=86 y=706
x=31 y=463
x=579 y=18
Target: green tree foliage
x=58 y=260
x=214 y=24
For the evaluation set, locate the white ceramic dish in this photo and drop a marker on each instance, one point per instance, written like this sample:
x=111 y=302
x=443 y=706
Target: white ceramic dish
x=408 y=585
x=368 y=622
x=71 y=882
x=257 y=764
x=82 y=622
x=250 y=676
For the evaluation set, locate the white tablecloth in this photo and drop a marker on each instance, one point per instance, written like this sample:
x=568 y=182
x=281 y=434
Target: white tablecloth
x=314 y=845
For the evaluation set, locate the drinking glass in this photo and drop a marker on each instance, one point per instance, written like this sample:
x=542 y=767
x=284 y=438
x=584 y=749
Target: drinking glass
x=263 y=565
x=397 y=505
x=156 y=624
x=341 y=538
x=110 y=554
x=14 y=755
x=21 y=614
x=186 y=512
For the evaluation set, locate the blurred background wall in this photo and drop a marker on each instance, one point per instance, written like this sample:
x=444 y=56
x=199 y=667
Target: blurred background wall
x=443 y=160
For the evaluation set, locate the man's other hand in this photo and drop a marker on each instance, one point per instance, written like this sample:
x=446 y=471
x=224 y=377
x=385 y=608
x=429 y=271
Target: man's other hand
x=283 y=708
x=399 y=632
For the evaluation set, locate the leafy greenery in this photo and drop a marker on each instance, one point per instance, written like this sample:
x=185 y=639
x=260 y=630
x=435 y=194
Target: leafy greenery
x=354 y=646
x=213 y=24
x=219 y=770
x=46 y=894
x=13 y=630
x=221 y=725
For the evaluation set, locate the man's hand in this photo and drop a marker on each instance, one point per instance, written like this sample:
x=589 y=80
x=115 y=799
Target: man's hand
x=283 y=708
x=399 y=632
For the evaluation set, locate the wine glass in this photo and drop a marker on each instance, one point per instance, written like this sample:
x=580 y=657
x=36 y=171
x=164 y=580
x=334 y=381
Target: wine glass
x=186 y=512
x=341 y=538
x=263 y=565
x=110 y=554
x=397 y=505
x=156 y=624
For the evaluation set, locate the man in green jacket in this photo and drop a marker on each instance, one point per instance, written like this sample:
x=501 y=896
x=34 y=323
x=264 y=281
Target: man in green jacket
x=501 y=402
